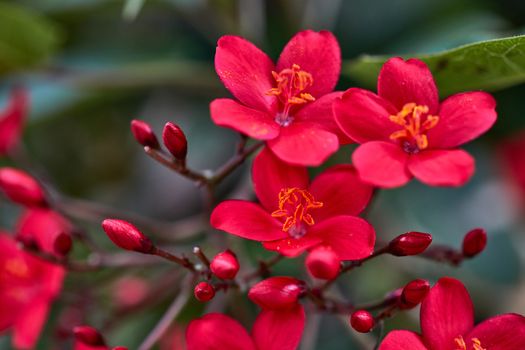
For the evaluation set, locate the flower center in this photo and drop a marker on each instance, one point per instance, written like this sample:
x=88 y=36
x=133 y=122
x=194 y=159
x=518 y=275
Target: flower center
x=461 y=345
x=16 y=267
x=291 y=83
x=415 y=121
x=294 y=204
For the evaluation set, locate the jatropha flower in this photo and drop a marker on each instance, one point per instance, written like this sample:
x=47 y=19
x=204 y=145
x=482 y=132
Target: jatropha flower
x=447 y=323
x=289 y=104
x=28 y=286
x=12 y=120
x=296 y=215
x=405 y=132
x=272 y=330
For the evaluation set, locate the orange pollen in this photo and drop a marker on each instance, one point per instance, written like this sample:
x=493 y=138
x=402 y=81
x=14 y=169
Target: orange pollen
x=415 y=121
x=461 y=345
x=294 y=204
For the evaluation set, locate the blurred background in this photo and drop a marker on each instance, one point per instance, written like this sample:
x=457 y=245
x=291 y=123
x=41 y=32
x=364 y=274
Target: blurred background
x=93 y=65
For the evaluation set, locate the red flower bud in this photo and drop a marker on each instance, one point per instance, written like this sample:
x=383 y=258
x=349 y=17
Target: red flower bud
x=276 y=292
x=414 y=293
x=175 y=141
x=127 y=236
x=21 y=188
x=89 y=336
x=63 y=244
x=474 y=242
x=204 y=292
x=120 y=348
x=362 y=321
x=144 y=134
x=225 y=265
x=322 y=262
x=410 y=243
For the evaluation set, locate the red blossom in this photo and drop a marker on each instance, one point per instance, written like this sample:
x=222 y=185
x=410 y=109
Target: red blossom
x=277 y=293
x=289 y=105
x=12 y=120
x=447 y=322
x=296 y=215
x=405 y=132
x=21 y=188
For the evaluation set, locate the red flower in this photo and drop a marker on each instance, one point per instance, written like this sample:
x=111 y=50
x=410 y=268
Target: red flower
x=289 y=104
x=12 y=120
x=447 y=323
x=405 y=132
x=272 y=330
x=28 y=286
x=296 y=215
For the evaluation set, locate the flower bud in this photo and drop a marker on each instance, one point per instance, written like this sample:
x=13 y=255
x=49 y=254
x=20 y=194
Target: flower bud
x=414 y=293
x=127 y=236
x=144 y=134
x=322 y=262
x=120 y=348
x=12 y=120
x=21 y=188
x=474 y=242
x=276 y=292
x=362 y=321
x=175 y=141
x=410 y=243
x=63 y=244
x=204 y=292
x=225 y=265
x=89 y=336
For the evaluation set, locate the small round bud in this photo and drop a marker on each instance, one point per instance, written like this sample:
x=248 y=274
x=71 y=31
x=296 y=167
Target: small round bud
x=204 y=292
x=127 y=236
x=414 y=293
x=62 y=244
x=362 y=321
x=276 y=292
x=175 y=141
x=144 y=134
x=410 y=243
x=225 y=265
x=322 y=262
x=474 y=242
x=21 y=188
x=89 y=336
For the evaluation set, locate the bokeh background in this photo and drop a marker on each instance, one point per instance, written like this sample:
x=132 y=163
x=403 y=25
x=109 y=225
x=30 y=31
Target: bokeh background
x=93 y=65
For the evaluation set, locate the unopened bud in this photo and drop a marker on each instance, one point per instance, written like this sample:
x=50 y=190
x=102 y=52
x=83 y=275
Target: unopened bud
x=362 y=321
x=127 y=236
x=414 y=293
x=144 y=134
x=21 y=188
x=89 y=336
x=322 y=262
x=225 y=265
x=120 y=348
x=175 y=141
x=276 y=292
x=474 y=242
x=410 y=243
x=63 y=244
x=204 y=292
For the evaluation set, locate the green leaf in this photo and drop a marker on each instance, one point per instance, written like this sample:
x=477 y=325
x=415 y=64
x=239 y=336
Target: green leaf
x=26 y=38
x=487 y=65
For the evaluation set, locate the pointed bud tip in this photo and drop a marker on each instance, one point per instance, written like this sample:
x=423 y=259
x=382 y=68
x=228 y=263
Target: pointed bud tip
x=410 y=243
x=362 y=321
x=21 y=188
x=474 y=242
x=323 y=262
x=414 y=292
x=204 y=292
x=89 y=336
x=144 y=134
x=127 y=236
x=175 y=141
x=225 y=265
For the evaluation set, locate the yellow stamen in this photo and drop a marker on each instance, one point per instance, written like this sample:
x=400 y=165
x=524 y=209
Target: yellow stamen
x=415 y=121
x=461 y=345
x=294 y=204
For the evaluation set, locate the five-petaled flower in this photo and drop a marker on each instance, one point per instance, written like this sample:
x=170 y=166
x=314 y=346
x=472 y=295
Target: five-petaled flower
x=447 y=323
x=296 y=215
x=405 y=132
x=289 y=104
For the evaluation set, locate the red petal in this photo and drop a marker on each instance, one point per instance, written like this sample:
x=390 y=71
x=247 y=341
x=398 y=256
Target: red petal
x=442 y=167
x=293 y=247
x=304 y=144
x=462 y=118
x=317 y=53
x=446 y=313
x=246 y=71
x=350 y=237
x=382 y=164
x=364 y=116
x=270 y=175
x=217 y=332
x=502 y=332
x=402 y=340
x=246 y=219
x=341 y=191
x=12 y=120
x=29 y=324
x=279 y=330
x=410 y=81
x=254 y=123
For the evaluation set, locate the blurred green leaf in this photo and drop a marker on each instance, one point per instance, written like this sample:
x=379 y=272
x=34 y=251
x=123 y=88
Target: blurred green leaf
x=26 y=38
x=488 y=65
